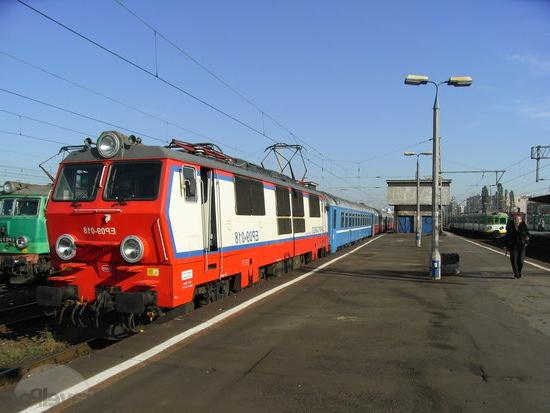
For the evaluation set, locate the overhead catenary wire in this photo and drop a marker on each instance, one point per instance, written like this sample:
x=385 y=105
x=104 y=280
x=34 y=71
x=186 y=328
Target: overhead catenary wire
x=150 y=73
x=256 y=106
x=118 y=101
x=72 y=112
x=21 y=116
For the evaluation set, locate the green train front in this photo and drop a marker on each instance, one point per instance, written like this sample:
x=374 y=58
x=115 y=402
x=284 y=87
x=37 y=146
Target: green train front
x=24 y=249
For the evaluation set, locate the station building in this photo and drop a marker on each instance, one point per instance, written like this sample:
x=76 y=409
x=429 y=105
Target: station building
x=402 y=196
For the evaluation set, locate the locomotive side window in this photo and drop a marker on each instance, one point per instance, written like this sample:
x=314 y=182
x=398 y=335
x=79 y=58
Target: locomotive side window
x=283 y=201
x=188 y=183
x=249 y=197
x=78 y=183
x=7 y=207
x=27 y=207
x=298 y=221
x=282 y=206
x=133 y=181
x=297 y=203
x=314 y=206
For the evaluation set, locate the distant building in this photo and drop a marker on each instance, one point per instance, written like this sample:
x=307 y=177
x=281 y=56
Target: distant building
x=473 y=205
x=402 y=196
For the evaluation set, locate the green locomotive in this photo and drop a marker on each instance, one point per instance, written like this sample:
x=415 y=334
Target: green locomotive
x=24 y=248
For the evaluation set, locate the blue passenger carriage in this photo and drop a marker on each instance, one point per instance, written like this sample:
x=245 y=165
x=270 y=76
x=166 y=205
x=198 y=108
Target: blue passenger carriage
x=349 y=222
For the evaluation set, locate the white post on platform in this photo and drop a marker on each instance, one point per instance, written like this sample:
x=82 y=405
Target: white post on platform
x=457 y=81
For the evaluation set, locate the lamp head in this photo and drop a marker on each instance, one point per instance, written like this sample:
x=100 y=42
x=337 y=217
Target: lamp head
x=416 y=80
x=460 y=81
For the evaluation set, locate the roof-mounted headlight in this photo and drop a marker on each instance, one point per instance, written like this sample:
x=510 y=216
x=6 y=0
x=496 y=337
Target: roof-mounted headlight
x=8 y=187
x=108 y=144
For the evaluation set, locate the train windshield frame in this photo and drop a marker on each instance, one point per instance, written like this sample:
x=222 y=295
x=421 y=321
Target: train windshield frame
x=78 y=182
x=133 y=181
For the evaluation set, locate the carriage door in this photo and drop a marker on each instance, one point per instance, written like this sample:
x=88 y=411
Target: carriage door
x=209 y=224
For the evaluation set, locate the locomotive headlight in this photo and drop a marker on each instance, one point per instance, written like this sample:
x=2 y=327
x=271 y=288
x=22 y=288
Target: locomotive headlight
x=21 y=242
x=132 y=249
x=65 y=247
x=108 y=144
x=8 y=187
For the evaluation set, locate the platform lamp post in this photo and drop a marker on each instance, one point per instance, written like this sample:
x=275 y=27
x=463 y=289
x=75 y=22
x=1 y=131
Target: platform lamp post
x=457 y=81
x=418 y=226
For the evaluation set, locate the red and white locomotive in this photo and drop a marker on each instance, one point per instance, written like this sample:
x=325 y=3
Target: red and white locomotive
x=136 y=229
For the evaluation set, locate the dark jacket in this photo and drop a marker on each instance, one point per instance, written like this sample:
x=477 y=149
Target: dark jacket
x=519 y=236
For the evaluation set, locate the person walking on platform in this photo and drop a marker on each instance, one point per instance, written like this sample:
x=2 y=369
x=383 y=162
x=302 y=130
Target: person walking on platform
x=517 y=237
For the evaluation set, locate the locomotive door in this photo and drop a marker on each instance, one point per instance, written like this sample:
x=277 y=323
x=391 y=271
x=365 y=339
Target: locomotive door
x=210 y=224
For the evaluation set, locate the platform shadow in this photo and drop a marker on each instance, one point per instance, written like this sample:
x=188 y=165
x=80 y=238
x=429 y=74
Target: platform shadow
x=389 y=275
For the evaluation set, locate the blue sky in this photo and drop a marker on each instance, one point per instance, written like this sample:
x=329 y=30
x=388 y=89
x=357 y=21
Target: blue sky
x=331 y=72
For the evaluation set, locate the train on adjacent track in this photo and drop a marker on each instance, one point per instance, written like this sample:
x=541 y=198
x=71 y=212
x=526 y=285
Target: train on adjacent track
x=489 y=224
x=136 y=230
x=24 y=247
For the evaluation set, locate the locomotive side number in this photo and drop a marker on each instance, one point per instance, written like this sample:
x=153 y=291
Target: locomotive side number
x=99 y=230
x=245 y=237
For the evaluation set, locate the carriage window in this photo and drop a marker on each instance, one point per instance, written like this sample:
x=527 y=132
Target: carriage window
x=297 y=203
x=342 y=220
x=282 y=200
x=27 y=207
x=7 y=206
x=133 y=181
x=249 y=197
x=78 y=182
x=314 y=206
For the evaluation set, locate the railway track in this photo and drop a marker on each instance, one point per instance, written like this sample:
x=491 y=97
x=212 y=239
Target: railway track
x=82 y=348
x=17 y=314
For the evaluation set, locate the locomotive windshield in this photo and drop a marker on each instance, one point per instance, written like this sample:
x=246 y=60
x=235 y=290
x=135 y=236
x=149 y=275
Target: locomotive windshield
x=26 y=207
x=136 y=181
x=19 y=207
x=78 y=183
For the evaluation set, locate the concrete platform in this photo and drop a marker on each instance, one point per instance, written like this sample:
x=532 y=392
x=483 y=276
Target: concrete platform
x=370 y=332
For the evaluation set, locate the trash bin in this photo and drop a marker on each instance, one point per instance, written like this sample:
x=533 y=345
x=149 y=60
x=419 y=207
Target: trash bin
x=450 y=264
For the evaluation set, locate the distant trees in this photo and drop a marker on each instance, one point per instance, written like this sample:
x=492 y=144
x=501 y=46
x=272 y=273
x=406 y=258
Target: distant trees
x=499 y=198
x=506 y=206
x=484 y=199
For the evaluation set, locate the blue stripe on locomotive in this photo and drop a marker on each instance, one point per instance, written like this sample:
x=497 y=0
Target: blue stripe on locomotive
x=350 y=232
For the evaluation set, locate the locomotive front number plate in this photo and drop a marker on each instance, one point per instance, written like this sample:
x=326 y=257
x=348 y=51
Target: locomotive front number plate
x=7 y=239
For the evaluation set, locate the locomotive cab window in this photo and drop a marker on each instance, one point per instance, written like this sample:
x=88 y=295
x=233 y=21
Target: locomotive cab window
x=249 y=197
x=78 y=183
x=133 y=181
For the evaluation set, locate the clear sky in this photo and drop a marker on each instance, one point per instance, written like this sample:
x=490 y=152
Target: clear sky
x=330 y=72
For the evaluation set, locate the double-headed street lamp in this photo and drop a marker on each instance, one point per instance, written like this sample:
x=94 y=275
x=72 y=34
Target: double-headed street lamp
x=418 y=226
x=457 y=81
